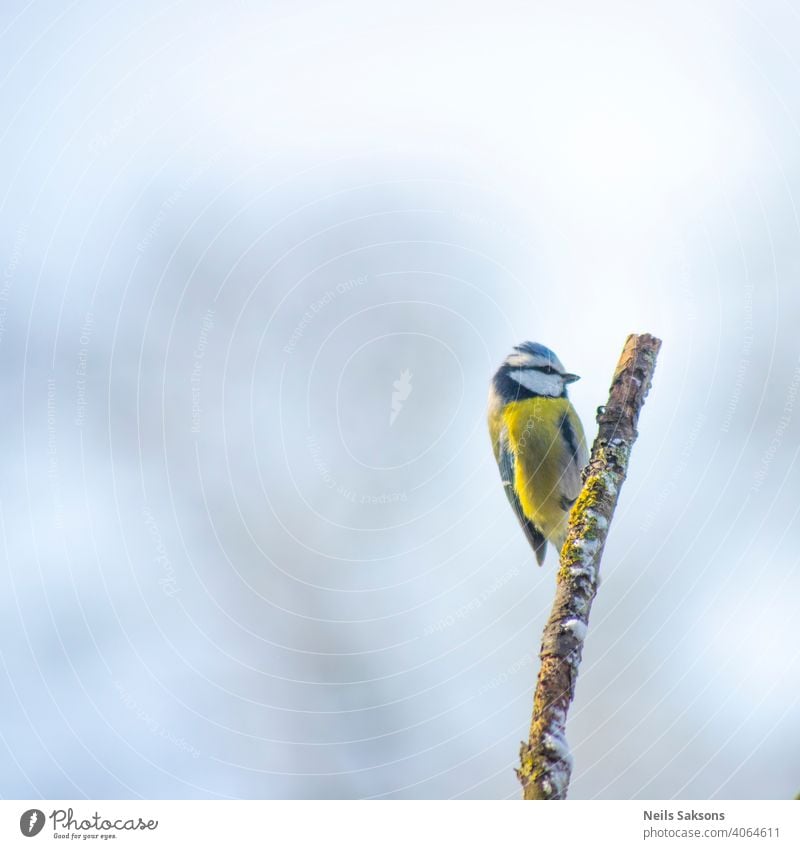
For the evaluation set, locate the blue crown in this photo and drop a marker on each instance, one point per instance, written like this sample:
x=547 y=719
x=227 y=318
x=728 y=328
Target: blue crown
x=536 y=350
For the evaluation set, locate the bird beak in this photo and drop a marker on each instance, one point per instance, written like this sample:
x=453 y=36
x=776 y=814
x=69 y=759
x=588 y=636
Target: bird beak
x=570 y=378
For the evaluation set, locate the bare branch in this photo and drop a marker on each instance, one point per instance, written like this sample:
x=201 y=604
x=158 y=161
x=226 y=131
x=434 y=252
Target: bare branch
x=545 y=762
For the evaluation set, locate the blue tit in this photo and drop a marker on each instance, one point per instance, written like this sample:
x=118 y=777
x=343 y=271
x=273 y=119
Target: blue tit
x=538 y=442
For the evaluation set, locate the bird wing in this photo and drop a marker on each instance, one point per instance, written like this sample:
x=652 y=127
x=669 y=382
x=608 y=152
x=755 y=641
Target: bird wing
x=506 y=462
x=578 y=457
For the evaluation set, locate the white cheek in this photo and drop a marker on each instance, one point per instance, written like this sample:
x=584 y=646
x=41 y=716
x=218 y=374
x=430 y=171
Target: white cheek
x=538 y=382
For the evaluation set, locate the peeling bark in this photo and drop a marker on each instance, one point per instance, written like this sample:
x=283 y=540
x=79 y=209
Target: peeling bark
x=545 y=761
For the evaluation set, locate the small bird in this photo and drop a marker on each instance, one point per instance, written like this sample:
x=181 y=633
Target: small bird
x=538 y=442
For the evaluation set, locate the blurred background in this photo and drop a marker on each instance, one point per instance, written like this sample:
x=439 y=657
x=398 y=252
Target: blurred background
x=258 y=262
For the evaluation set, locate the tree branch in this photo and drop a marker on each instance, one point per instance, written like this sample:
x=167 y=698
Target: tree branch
x=545 y=762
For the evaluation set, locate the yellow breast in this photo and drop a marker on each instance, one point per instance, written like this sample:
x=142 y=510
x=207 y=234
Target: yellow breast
x=544 y=477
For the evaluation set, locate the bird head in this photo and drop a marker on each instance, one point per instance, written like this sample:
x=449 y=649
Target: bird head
x=531 y=370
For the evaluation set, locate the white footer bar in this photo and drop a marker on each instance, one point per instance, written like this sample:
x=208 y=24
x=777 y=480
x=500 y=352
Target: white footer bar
x=410 y=824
